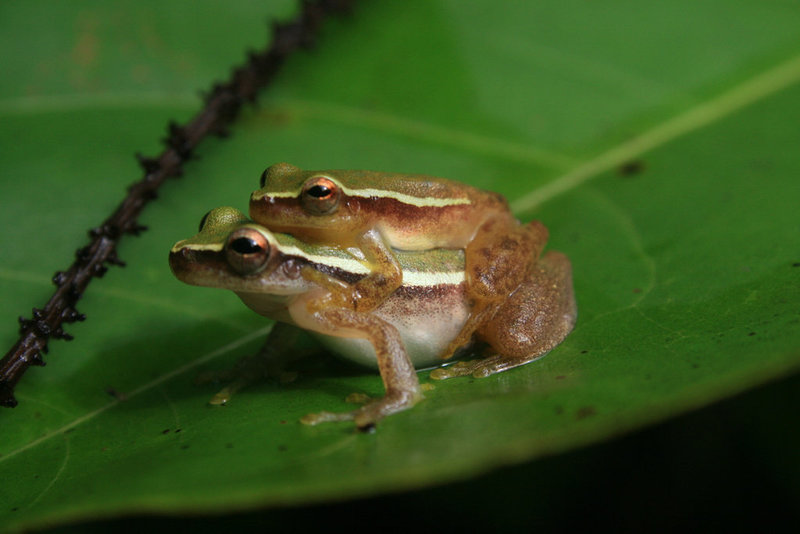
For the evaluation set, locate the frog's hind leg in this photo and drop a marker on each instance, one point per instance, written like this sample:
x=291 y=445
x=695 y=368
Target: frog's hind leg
x=497 y=260
x=534 y=319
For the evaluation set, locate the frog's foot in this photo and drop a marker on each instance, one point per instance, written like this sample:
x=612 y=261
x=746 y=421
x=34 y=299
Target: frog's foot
x=368 y=415
x=481 y=368
x=240 y=382
x=247 y=371
x=222 y=396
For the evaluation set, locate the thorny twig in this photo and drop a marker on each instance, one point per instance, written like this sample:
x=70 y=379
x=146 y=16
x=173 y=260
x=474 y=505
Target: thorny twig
x=222 y=105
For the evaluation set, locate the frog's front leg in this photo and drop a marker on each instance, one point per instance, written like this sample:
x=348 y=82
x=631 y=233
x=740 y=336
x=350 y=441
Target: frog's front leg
x=399 y=377
x=384 y=277
x=536 y=318
x=498 y=259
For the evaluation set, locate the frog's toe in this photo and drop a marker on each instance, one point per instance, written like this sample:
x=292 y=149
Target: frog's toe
x=326 y=417
x=478 y=368
x=222 y=397
x=247 y=371
x=365 y=422
x=237 y=379
x=367 y=417
x=456 y=369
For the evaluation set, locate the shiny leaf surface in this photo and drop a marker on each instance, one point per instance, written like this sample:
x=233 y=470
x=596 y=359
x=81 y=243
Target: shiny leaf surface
x=657 y=143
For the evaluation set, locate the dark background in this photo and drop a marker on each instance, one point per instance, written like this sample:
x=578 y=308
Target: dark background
x=731 y=467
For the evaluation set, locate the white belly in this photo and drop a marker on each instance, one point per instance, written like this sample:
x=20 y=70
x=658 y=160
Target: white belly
x=426 y=324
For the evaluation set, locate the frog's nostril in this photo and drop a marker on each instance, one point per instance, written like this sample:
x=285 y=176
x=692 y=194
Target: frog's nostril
x=182 y=254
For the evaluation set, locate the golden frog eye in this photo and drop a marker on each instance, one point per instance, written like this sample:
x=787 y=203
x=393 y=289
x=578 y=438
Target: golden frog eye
x=320 y=195
x=247 y=251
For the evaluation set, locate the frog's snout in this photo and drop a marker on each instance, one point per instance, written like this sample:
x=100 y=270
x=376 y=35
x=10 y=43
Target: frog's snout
x=180 y=258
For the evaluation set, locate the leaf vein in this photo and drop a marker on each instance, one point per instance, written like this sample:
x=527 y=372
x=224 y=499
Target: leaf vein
x=56 y=476
x=233 y=345
x=742 y=95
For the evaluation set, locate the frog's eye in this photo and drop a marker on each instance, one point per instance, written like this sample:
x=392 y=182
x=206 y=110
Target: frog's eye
x=320 y=195
x=203 y=222
x=247 y=251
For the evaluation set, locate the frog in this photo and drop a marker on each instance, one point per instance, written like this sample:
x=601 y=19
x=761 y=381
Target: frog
x=407 y=331
x=379 y=213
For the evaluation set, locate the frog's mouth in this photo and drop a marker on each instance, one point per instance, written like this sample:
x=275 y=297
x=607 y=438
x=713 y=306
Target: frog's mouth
x=269 y=305
x=198 y=267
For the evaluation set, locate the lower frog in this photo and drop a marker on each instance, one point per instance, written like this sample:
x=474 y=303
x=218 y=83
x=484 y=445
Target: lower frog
x=410 y=329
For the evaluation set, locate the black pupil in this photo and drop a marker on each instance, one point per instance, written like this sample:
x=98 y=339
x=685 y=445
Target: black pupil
x=245 y=245
x=263 y=180
x=318 y=191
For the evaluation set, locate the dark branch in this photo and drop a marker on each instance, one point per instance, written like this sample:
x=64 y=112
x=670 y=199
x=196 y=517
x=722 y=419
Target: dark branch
x=222 y=105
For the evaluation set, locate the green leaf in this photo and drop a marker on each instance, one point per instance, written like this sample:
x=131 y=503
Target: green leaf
x=657 y=143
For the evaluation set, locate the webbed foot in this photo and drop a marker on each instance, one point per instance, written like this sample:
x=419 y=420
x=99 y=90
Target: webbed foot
x=367 y=417
x=270 y=362
x=248 y=370
x=481 y=368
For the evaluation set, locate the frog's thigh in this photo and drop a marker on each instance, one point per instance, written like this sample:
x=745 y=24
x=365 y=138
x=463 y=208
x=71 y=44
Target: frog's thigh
x=497 y=261
x=500 y=254
x=539 y=315
x=536 y=318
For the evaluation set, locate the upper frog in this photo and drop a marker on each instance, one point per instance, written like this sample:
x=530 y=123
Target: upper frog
x=379 y=212
x=411 y=211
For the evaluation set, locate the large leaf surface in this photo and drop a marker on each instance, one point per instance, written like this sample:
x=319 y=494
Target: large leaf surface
x=657 y=142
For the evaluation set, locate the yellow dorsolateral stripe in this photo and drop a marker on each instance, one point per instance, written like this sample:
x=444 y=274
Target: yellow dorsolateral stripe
x=351 y=265
x=422 y=202
x=213 y=247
